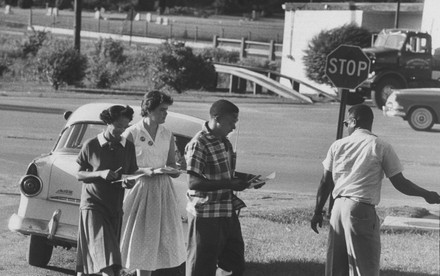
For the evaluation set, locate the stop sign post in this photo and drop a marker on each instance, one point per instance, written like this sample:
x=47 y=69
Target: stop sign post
x=347 y=67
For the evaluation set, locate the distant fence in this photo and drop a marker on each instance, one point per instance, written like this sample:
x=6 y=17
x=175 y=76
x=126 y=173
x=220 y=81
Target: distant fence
x=270 y=50
x=186 y=29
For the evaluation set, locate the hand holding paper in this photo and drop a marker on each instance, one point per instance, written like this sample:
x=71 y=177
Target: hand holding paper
x=167 y=170
x=257 y=182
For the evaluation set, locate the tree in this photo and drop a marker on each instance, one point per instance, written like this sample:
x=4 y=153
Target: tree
x=326 y=41
x=59 y=63
x=176 y=66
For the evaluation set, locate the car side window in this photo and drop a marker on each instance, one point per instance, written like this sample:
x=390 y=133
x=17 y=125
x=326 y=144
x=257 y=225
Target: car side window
x=73 y=137
x=181 y=142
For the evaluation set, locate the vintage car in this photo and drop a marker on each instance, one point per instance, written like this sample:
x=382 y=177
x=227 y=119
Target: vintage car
x=50 y=191
x=419 y=106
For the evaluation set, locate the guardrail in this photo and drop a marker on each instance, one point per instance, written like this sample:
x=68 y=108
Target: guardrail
x=245 y=47
x=239 y=85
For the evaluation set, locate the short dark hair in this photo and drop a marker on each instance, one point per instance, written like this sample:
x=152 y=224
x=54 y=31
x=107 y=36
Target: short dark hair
x=152 y=100
x=115 y=112
x=362 y=113
x=222 y=107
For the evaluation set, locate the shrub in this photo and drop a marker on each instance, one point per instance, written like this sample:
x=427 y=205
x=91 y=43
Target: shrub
x=107 y=64
x=176 y=66
x=262 y=63
x=4 y=66
x=325 y=42
x=34 y=42
x=24 y=4
x=59 y=63
x=111 y=50
x=220 y=55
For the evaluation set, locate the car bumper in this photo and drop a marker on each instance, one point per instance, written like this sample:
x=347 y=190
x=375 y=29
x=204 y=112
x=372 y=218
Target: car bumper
x=390 y=112
x=58 y=233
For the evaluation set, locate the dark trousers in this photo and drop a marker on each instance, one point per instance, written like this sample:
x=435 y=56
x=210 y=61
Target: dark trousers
x=214 y=242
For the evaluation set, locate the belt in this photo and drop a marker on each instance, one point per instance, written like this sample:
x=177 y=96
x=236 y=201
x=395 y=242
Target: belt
x=355 y=199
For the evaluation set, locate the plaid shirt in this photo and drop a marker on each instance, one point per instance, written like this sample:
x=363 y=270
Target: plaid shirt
x=213 y=159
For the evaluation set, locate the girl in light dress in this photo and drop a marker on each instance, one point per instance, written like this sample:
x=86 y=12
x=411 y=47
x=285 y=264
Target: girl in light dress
x=152 y=233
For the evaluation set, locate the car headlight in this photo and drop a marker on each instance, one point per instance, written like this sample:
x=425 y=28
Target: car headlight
x=30 y=185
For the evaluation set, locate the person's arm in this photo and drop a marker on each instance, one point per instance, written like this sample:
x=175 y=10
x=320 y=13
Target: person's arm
x=89 y=176
x=199 y=183
x=85 y=172
x=407 y=187
x=325 y=188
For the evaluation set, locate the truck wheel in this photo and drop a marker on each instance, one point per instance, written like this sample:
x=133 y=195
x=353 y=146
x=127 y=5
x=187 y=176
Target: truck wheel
x=39 y=252
x=421 y=118
x=383 y=89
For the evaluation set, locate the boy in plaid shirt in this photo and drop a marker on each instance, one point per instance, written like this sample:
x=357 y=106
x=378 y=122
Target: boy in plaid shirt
x=215 y=243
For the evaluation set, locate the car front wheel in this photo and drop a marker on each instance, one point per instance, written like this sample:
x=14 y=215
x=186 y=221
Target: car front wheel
x=421 y=118
x=40 y=251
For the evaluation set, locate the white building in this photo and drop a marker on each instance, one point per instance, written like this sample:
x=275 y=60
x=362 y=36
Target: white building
x=303 y=21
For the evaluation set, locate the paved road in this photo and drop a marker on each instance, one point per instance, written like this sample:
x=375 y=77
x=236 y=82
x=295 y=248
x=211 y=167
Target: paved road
x=289 y=139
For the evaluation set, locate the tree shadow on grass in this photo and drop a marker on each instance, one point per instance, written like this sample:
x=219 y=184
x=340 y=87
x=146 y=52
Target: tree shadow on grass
x=393 y=272
x=61 y=270
x=298 y=268
x=288 y=268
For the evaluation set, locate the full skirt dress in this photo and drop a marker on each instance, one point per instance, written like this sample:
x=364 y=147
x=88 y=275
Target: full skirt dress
x=152 y=231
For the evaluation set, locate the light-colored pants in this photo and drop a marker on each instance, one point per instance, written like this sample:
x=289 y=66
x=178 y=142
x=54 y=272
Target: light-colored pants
x=354 y=239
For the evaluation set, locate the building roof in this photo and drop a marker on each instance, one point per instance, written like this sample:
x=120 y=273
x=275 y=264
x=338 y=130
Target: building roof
x=375 y=7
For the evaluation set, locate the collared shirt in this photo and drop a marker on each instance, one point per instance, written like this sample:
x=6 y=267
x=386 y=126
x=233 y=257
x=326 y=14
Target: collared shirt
x=358 y=164
x=103 y=142
x=211 y=158
x=98 y=154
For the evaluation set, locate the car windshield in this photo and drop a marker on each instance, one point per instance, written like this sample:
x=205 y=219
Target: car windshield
x=73 y=137
x=389 y=40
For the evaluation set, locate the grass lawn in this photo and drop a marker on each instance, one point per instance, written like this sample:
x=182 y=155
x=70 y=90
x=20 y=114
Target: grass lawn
x=279 y=240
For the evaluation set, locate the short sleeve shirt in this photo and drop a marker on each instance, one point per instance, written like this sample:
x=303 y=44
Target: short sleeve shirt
x=97 y=154
x=358 y=164
x=211 y=158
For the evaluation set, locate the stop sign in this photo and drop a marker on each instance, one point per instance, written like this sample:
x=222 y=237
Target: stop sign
x=347 y=66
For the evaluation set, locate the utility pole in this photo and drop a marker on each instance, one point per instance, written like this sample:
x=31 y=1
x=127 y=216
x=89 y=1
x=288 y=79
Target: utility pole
x=77 y=25
x=396 y=18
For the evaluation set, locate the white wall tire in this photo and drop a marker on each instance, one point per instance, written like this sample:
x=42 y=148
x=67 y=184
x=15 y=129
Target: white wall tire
x=421 y=118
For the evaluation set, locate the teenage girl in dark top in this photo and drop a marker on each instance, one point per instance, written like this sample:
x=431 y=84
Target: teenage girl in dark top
x=102 y=160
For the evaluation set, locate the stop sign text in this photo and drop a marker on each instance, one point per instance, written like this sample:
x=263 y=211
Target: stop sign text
x=347 y=67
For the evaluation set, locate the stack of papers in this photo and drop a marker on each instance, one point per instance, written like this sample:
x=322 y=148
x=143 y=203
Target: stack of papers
x=164 y=170
x=261 y=181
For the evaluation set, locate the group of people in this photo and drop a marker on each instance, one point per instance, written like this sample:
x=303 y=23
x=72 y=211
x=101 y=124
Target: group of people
x=135 y=224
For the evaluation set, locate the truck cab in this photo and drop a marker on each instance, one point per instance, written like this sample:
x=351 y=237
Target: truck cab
x=399 y=59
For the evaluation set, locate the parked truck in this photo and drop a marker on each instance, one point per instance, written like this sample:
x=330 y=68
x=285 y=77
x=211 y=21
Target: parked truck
x=400 y=59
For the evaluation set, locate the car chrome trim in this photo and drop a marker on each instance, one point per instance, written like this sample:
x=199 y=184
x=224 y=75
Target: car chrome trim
x=53 y=223
x=65 y=199
x=27 y=226
x=24 y=179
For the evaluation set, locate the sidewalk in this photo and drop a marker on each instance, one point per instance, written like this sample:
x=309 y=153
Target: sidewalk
x=431 y=222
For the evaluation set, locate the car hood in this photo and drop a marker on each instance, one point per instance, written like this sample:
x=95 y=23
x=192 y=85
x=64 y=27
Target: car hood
x=380 y=51
x=419 y=92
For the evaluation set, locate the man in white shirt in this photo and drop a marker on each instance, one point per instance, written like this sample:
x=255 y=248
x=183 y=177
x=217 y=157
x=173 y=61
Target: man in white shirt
x=353 y=173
